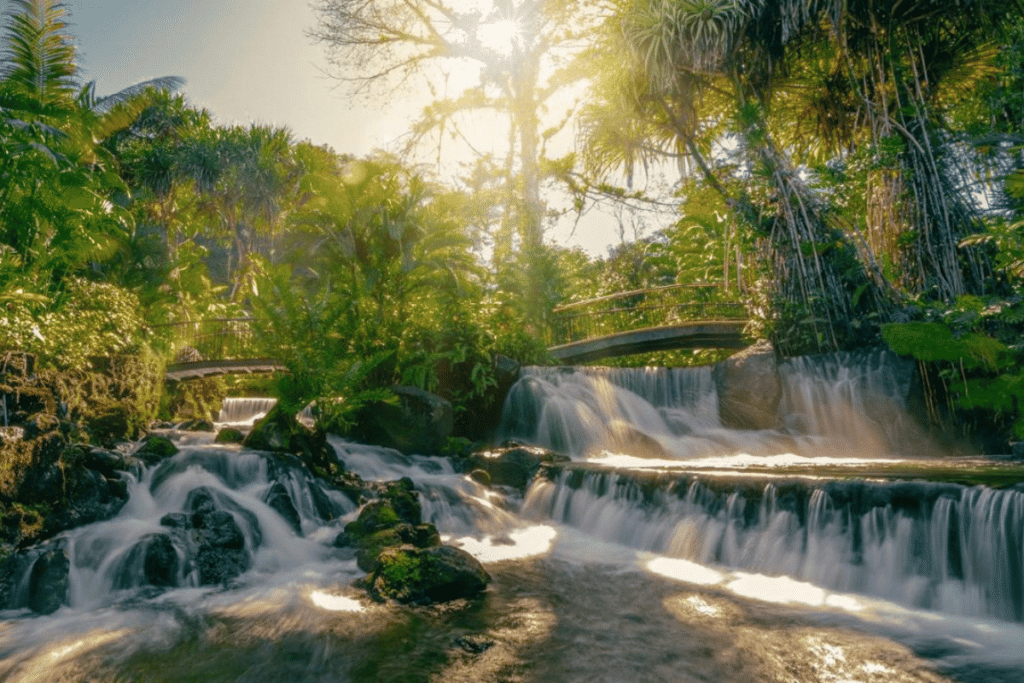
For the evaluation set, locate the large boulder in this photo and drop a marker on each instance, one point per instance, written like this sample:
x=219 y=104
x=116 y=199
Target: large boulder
x=749 y=388
x=281 y=432
x=425 y=575
x=220 y=551
x=419 y=424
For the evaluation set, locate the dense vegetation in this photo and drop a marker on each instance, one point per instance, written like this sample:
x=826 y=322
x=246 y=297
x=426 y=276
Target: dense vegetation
x=850 y=170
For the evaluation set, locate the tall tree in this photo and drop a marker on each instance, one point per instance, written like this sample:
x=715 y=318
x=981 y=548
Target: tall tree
x=772 y=76
x=519 y=57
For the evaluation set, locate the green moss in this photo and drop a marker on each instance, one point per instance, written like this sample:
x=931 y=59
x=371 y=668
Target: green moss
x=15 y=459
x=399 y=571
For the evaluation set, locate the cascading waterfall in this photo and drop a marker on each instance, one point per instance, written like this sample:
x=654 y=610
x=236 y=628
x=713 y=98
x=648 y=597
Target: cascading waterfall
x=945 y=547
x=121 y=554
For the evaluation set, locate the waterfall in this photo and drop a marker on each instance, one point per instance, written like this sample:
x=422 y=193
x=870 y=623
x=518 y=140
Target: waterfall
x=944 y=547
x=244 y=410
x=838 y=404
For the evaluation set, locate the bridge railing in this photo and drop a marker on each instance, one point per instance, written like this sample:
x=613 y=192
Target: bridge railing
x=214 y=339
x=641 y=308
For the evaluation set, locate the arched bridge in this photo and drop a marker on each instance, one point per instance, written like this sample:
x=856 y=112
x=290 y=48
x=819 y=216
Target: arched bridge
x=215 y=347
x=647 y=320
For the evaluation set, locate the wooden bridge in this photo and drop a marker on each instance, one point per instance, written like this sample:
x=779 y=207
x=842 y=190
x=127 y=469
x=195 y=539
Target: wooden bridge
x=647 y=320
x=215 y=347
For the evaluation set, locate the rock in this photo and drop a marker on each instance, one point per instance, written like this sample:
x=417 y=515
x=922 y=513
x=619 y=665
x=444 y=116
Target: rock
x=280 y=432
x=1017 y=450
x=88 y=497
x=281 y=502
x=155 y=448
x=420 y=424
x=197 y=425
x=161 y=562
x=48 y=581
x=229 y=435
x=424 y=575
x=474 y=645
x=152 y=561
x=17 y=364
x=39 y=424
x=375 y=516
x=513 y=466
x=107 y=462
x=221 y=553
x=749 y=388
x=110 y=421
x=369 y=548
x=175 y=520
x=11 y=435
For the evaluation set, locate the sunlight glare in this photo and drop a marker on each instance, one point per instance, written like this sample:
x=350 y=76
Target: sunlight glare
x=335 y=603
x=778 y=589
x=501 y=36
x=534 y=540
x=684 y=570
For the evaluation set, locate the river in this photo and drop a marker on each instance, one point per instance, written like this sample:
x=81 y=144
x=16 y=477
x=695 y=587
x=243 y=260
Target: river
x=841 y=547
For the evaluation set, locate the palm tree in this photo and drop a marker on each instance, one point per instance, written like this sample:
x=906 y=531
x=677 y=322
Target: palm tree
x=58 y=180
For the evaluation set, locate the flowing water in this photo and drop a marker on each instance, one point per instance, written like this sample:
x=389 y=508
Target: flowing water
x=838 y=547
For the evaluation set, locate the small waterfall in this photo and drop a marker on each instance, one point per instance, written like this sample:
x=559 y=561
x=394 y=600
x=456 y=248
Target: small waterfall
x=244 y=411
x=945 y=547
x=585 y=410
x=837 y=404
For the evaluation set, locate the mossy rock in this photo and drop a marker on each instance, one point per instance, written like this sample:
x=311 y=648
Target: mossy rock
x=278 y=431
x=376 y=516
x=427 y=575
x=155 y=449
x=229 y=435
x=370 y=547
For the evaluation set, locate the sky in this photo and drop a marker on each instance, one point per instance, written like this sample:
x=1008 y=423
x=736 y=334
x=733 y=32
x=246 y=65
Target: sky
x=249 y=61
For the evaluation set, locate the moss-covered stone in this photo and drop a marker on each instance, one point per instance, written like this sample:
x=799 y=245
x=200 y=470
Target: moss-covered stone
x=279 y=431
x=370 y=547
x=156 y=448
x=512 y=465
x=229 y=435
x=424 y=575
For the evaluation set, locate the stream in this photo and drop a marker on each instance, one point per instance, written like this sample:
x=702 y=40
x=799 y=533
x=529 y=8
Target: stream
x=844 y=546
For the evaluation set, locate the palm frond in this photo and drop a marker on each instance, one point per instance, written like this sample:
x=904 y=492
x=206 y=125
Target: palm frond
x=39 y=59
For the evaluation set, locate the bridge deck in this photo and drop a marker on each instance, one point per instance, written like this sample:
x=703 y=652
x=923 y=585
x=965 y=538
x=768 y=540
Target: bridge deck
x=706 y=334
x=207 y=368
